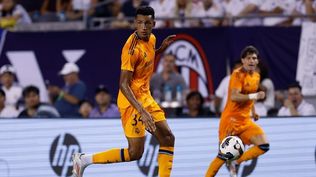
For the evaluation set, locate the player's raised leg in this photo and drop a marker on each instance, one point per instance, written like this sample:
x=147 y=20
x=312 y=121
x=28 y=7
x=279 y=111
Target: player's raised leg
x=215 y=165
x=253 y=135
x=116 y=155
x=166 y=141
x=134 y=152
x=260 y=147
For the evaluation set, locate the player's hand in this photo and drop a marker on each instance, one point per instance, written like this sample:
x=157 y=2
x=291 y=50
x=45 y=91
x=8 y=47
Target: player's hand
x=166 y=42
x=261 y=95
x=256 y=116
x=148 y=121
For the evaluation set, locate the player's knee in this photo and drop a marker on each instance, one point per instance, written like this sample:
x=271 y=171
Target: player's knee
x=135 y=154
x=264 y=147
x=169 y=139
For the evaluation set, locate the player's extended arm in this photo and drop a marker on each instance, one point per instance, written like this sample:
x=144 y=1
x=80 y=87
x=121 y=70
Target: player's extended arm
x=239 y=97
x=254 y=114
x=125 y=82
x=166 y=42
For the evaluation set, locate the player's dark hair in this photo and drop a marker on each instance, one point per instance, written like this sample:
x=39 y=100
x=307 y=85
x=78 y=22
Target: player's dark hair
x=295 y=84
x=30 y=89
x=249 y=50
x=145 y=10
x=2 y=93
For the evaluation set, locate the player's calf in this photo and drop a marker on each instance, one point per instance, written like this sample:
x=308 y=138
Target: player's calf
x=165 y=157
x=254 y=152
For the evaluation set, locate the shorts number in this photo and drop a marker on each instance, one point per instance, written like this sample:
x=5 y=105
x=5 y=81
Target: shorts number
x=137 y=119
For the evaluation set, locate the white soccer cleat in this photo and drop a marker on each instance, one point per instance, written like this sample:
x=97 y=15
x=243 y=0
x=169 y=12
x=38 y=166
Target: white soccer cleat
x=78 y=165
x=232 y=167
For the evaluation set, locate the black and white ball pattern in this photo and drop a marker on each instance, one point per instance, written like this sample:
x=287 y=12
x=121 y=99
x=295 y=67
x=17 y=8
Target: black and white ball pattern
x=231 y=148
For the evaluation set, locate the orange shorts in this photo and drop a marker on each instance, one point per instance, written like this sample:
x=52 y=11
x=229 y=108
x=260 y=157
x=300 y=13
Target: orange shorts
x=131 y=121
x=245 y=130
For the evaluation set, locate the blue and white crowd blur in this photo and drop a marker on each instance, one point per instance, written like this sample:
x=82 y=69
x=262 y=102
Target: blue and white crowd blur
x=175 y=13
x=70 y=99
x=167 y=87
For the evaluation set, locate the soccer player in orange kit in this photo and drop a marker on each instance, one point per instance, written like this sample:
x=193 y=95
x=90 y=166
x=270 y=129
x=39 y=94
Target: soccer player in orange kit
x=236 y=117
x=139 y=111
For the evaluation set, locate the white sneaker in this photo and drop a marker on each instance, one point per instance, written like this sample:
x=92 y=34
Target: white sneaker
x=78 y=165
x=232 y=167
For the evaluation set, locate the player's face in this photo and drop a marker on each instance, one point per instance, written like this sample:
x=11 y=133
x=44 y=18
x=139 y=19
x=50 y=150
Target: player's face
x=250 y=62
x=144 y=25
x=32 y=100
x=295 y=96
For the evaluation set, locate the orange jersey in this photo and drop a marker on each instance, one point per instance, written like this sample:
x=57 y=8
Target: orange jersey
x=246 y=83
x=235 y=119
x=138 y=56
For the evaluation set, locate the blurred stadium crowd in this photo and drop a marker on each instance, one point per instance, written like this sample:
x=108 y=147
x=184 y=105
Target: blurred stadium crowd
x=167 y=87
x=105 y=14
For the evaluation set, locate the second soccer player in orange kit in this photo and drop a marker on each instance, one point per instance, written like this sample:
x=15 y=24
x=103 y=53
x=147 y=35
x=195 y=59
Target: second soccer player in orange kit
x=139 y=111
x=236 y=117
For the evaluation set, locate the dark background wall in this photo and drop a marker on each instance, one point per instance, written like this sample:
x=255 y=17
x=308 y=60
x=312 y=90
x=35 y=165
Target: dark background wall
x=101 y=62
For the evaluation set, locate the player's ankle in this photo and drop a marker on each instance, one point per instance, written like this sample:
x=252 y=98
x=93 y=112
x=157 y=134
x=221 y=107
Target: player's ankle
x=87 y=159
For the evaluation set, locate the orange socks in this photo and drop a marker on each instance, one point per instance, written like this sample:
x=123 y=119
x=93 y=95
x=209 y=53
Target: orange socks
x=251 y=153
x=214 y=167
x=111 y=156
x=165 y=160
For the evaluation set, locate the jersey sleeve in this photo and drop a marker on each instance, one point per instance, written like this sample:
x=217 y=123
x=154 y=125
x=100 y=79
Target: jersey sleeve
x=236 y=81
x=129 y=56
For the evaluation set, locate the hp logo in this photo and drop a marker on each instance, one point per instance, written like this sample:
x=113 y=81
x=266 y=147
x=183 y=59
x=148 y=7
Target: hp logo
x=61 y=150
x=148 y=164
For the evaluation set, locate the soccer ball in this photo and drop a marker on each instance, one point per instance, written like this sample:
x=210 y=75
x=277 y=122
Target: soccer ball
x=231 y=148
